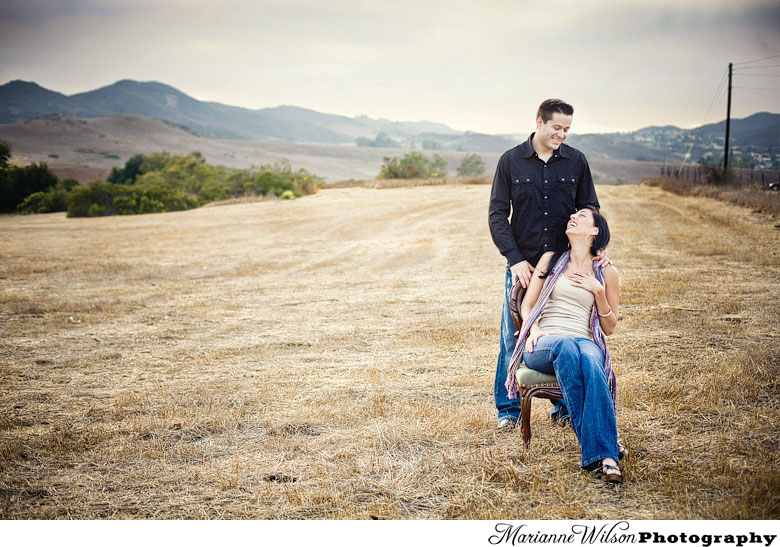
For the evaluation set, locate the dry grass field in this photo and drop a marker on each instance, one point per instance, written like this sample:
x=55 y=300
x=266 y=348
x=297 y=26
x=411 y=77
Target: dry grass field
x=332 y=357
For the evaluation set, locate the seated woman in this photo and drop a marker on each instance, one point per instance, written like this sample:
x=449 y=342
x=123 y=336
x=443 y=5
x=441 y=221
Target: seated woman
x=570 y=306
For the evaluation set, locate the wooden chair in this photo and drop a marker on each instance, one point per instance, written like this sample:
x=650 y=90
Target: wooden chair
x=531 y=383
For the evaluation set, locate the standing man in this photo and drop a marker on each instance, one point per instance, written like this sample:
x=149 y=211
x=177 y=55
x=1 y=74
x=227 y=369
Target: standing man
x=542 y=182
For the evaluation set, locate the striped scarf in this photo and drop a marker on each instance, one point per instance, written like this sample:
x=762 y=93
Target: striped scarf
x=536 y=311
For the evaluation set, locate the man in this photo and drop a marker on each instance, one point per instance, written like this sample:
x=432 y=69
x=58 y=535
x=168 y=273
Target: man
x=542 y=181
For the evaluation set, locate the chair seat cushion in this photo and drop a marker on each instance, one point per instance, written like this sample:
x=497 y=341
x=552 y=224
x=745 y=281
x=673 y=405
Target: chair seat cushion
x=528 y=377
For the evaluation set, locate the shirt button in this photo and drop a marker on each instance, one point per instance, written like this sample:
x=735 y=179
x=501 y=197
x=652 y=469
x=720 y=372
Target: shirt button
x=545 y=182
x=545 y=197
x=545 y=229
x=545 y=213
x=545 y=245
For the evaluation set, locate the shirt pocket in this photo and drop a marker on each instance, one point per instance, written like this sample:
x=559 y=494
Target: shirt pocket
x=522 y=186
x=568 y=186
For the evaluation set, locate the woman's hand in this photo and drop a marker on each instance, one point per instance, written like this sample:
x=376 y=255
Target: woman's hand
x=587 y=282
x=533 y=336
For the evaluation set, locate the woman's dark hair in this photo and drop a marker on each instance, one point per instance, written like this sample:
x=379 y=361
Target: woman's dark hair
x=599 y=242
x=602 y=238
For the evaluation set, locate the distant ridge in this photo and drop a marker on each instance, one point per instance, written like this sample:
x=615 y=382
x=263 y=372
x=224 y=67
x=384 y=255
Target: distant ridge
x=22 y=101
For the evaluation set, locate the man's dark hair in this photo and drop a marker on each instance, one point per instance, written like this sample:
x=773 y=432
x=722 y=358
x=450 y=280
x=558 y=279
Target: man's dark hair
x=551 y=106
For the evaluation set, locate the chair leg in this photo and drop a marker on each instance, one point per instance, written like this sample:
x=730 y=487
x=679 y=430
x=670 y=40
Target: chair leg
x=525 y=417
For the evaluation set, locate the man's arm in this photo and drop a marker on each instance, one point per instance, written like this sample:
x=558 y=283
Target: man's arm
x=498 y=214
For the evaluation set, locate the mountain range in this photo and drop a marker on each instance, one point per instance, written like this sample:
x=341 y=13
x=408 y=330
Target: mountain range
x=22 y=101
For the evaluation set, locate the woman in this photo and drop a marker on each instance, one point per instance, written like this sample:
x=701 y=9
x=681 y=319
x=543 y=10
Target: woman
x=570 y=306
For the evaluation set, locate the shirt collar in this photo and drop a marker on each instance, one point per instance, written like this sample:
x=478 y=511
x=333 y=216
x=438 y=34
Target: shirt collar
x=527 y=149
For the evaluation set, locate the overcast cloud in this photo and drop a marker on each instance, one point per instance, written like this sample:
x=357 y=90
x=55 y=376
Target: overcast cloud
x=477 y=66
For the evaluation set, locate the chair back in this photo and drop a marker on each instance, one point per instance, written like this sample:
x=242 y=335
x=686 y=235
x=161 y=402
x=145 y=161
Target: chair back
x=516 y=294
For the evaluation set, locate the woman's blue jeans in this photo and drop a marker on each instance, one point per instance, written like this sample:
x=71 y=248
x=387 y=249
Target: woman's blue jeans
x=578 y=363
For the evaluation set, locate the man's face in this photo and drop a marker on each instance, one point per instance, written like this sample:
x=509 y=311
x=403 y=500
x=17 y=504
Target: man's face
x=553 y=132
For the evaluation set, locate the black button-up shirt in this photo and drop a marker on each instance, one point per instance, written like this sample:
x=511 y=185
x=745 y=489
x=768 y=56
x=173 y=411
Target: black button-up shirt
x=542 y=197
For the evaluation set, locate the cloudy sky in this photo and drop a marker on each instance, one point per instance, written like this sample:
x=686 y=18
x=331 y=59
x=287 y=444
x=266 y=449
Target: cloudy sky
x=481 y=66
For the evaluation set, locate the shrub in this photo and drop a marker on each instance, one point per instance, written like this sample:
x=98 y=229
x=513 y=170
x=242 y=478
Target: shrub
x=97 y=210
x=162 y=182
x=5 y=154
x=100 y=194
x=155 y=195
x=16 y=183
x=382 y=140
x=53 y=200
x=471 y=166
x=413 y=165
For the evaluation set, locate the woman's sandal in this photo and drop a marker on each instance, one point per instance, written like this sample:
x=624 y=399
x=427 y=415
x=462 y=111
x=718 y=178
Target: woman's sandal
x=622 y=451
x=610 y=477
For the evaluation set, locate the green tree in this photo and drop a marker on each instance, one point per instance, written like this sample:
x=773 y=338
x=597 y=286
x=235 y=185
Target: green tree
x=471 y=166
x=128 y=174
x=5 y=154
x=16 y=183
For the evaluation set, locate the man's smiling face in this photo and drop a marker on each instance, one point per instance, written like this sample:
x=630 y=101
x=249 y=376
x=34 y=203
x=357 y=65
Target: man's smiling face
x=552 y=133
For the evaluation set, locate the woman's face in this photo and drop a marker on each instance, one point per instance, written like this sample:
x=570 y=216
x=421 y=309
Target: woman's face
x=581 y=222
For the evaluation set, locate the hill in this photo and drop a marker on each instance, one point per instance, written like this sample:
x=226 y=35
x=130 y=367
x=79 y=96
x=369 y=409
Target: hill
x=87 y=148
x=154 y=367
x=756 y=138
x=758 y=134
x=22 y=101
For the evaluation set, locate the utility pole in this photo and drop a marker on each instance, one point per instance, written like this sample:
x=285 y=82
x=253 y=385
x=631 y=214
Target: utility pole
x=728 y=123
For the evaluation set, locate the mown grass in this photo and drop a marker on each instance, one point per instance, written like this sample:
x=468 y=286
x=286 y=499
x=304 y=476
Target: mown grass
x=333 y=358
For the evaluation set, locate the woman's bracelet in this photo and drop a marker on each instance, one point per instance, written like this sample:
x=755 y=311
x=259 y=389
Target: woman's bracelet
x=606 y=314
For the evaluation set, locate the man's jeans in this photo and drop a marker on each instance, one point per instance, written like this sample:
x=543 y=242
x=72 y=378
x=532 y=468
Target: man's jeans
x=510 y=408
x=578 y=363
x=507 y=408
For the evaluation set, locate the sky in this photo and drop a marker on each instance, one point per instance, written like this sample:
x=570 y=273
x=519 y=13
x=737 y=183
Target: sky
x=479 y=66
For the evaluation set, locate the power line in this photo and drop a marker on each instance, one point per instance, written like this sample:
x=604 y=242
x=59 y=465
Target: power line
x=715 y=96
x=754 y=67
x=757 y=60
x=713 y=102
x=751 y=74
x=768 y=88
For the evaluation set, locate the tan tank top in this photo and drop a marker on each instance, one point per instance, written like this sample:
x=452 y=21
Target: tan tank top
x=567 y=310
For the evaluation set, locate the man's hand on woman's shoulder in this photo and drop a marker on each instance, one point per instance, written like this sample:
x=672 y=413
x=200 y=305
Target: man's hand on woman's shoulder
x=603 y=259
